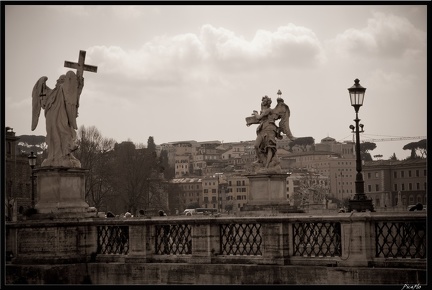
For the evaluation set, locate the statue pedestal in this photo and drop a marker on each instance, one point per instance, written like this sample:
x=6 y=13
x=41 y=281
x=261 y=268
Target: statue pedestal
x=267 y=188
x=267 y=193
x=61 y=190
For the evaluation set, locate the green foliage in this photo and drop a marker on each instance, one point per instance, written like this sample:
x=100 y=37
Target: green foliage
x=364 y=150
x=393 y=157
x=303 y=142
x=366 y=146
x=229 y=207
x=28 y=143
x=151 y=146
x=420 y=146
x=32 y=139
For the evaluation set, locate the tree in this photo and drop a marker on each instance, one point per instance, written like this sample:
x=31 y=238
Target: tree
x=130 y=178
x=302 y=142
x=28 y=143
x=413 y=146
x=168 y=171
x=393 y=157
x=174 y=191
x=422 y=147
x=229 y=207
x=312 y=189
x=364 y=150
x=94 y=152
x=138 y=181
x=366 y=146
x=151 y=146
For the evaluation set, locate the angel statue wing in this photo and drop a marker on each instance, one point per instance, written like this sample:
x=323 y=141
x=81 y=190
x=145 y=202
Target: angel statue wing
x=70 y=91
x=38 y=90
x=283 y=111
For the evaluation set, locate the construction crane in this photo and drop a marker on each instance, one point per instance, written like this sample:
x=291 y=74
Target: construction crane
x=393 y=139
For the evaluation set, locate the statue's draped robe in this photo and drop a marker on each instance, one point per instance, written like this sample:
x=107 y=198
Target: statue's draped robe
x=268 y=131
x=61 y=136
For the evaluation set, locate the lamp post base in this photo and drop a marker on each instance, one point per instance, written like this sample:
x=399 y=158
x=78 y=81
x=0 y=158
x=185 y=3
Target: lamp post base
x=360 y=205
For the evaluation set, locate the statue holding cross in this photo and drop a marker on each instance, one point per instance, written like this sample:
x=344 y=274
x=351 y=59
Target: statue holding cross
x=61 y=110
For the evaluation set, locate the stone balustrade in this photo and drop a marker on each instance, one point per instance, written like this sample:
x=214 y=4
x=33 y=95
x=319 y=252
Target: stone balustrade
x=356 y=240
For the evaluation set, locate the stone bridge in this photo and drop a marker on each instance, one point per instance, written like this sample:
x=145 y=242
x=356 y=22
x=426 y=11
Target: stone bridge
x=297 y=249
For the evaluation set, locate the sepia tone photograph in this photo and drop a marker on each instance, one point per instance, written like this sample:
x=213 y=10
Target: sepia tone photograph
x=191 y=144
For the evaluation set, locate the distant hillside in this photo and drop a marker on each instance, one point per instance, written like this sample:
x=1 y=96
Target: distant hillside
x=28 y=143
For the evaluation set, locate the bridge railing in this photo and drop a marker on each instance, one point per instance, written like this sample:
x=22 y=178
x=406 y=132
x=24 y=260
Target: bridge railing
x=345 y=239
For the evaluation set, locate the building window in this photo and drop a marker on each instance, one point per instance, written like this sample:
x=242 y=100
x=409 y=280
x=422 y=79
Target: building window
x=410 y=186
x=418 y=185
x=369 y=188
x=395 y=174
x=417 y=173
x=376 y=187
x=402 y=174
x=403 y=186
x=376 y=174
x=369 y=175
x=395 y=187
x=409 y=173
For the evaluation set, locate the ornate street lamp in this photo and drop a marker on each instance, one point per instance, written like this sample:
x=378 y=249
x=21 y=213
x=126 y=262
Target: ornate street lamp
x=360 y=202
x=32 y=162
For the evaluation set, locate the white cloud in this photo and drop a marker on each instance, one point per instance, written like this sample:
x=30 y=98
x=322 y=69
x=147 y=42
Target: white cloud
x=177 y=59
x=386 y=35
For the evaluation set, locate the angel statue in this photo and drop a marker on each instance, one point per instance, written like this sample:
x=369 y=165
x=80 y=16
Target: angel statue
x=61 y=110
x=268 y=132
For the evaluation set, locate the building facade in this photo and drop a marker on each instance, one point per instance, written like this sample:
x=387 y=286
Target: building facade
x=18 y=190
x=396 y=183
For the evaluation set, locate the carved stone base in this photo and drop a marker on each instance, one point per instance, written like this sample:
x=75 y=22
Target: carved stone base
x=267 y=188
x=267 y=193
x=61 y=190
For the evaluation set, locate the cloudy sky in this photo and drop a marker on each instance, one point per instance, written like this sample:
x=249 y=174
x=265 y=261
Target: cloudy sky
x=193 y=72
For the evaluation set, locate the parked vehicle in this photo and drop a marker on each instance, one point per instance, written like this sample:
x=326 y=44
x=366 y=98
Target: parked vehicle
x=195 y=211
x=189 y=211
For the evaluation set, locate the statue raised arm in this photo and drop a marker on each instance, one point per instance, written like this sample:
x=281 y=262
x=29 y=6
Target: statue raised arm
x=268 y=131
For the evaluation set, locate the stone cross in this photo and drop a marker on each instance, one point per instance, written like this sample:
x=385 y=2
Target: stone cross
x=80 y=66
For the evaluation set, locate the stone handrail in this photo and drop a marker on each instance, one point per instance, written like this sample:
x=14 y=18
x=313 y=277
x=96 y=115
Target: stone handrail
x=344 y=239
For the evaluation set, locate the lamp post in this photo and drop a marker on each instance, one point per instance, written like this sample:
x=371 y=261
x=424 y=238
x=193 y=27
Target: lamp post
x=32 y=162
x=360 y=202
